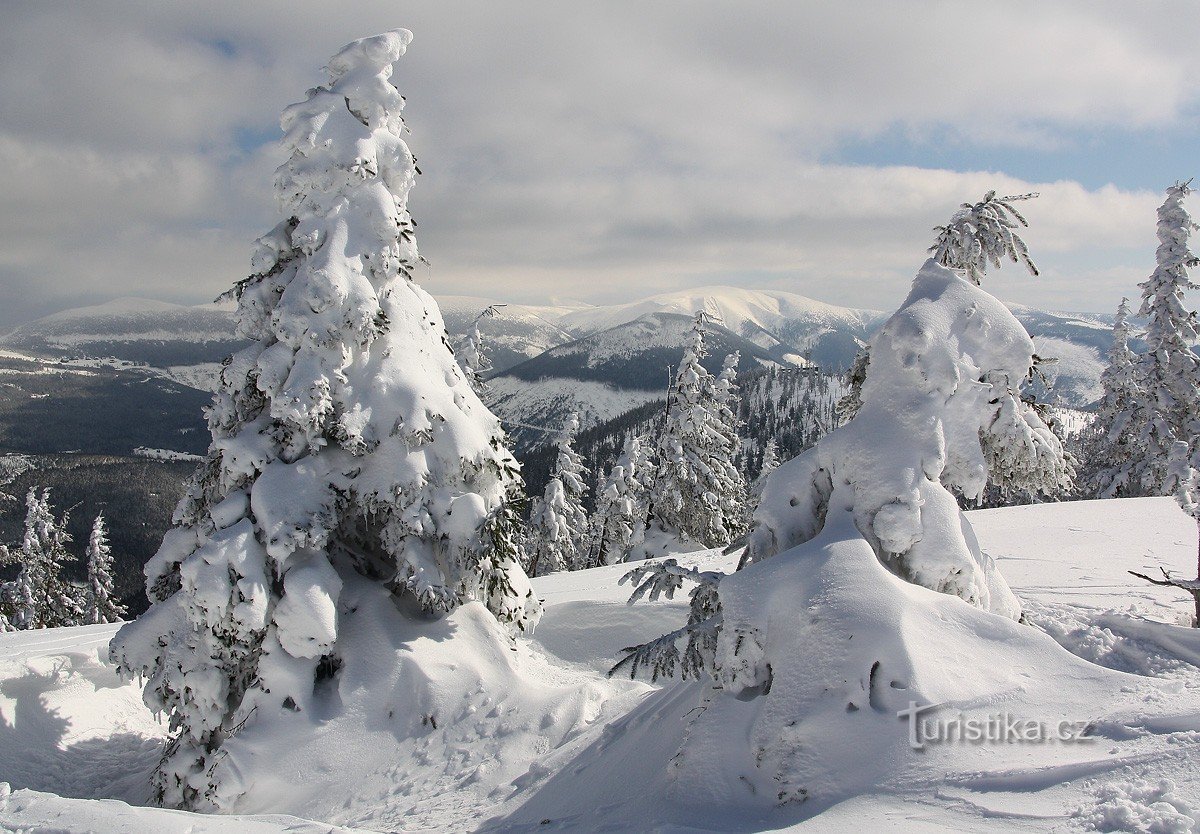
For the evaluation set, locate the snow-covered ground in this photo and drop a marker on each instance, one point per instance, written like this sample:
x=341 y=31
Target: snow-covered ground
x=548 y=743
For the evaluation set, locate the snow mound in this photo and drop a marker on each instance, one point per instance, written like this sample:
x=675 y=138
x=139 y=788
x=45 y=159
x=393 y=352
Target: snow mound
x=428 y=721
x=822 y=729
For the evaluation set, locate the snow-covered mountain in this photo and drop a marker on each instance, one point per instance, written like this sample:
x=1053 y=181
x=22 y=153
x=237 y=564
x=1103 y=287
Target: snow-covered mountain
x=782 y=323
x=782 y=326
x=607 y=373
x=134 y=329
x=513 y=333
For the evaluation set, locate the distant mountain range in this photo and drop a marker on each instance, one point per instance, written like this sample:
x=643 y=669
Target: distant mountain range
x=85 y=393
x=555 y=358
x=606 y=373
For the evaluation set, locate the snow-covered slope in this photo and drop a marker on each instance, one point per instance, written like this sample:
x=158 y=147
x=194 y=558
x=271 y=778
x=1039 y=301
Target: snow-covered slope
x=786 y=326
x=607 y=373
x=134 y=329
x=68 y=727
x=776 y=321
x=514 y=333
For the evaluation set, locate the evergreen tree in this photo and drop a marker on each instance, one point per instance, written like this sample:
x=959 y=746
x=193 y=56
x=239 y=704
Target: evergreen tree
x=770 y=462
x=1169 y=371
x=1116 y=451
x=848 y=405
x=558 y=524
x=698 y=493
x=347 y=447
x=42 y=597
x=100 y=605
x=472 y=352
x=981 y=234
x=866 y=509
x=620 y=517
x=978 y=235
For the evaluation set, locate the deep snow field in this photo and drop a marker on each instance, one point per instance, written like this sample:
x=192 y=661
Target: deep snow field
x=541 y=740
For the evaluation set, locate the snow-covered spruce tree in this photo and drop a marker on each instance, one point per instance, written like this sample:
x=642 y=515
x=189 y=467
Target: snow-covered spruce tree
x=1183 y=480
x=42 y=597
x=472 y=352
x=349 y=452
x=1169 y=371
x=851 y=540
x=978 y=235
x=983 y=234
x=619 y=523
x=558 y=523
x=770 y=462
x=698 y=494
x=100 y=603
x=856 y=375
x=1115 y=452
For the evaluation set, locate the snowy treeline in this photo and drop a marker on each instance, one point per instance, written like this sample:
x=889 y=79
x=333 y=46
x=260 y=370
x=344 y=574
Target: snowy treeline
x=41 y=596
x=676 y=481
x=1146 y=436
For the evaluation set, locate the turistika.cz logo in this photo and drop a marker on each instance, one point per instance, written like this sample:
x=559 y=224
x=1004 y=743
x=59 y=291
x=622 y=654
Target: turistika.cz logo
x=998 y=728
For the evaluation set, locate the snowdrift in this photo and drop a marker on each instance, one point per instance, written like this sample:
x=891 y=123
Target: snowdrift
x=568 y=745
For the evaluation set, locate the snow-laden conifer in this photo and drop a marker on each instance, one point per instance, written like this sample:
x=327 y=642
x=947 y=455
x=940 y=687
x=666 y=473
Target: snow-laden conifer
x=100 y=602
x=698 y=494
x=558 y=523
x=42 y=596
x=472 y=352
x=977 y=236
x=621 y=504
x=770 y=462
x=983 y=233
x=348 y=447
x=1116 y=452
x=841 y=533
x=1169 y=371
x=856 y=375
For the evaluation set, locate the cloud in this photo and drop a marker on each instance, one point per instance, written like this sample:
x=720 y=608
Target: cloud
x=595 y=150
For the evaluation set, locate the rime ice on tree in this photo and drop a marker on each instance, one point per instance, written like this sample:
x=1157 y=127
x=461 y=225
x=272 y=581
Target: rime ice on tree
x=849 y=540
x=347 y=442
x=1169 y=371
x=100 y=606
x=42 y=597
x=697 y=492
x=558 y=524
x=620 y=518
x=1118 y=451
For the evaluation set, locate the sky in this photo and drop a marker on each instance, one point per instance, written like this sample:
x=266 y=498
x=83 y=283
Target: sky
x=604 y=151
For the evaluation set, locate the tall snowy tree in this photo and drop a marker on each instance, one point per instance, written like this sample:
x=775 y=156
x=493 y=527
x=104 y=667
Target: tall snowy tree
x=1116 y=451
x=620 y=517
x=558 y=523
x=348 y=451
x=698 y=493
x=100 y=603
x=43 y=597
x=770 y=462
x=1169 y=371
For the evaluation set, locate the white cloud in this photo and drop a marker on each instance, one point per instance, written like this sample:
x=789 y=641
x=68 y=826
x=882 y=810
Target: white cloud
x=598 y=150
